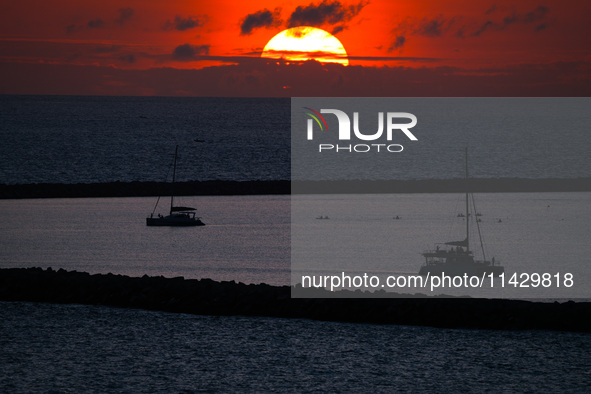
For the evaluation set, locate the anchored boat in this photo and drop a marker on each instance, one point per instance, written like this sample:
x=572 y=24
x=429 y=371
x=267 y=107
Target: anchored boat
x=178 y=216
x=455 y=258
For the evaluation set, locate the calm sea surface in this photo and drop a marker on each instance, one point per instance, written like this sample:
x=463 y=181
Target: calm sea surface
x=245 y=239
x=254 y=239
x=528 y=233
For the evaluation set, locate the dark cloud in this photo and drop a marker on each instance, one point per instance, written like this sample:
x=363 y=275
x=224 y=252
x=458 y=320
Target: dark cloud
x=485 y=26
x=72 y=29
x=458 y=26
x=188 y=51
x=92 y=24
x=396 y=58
x=492 y=9
x=113 y=51
x=461 y=32
x=107 y=49
x=508 y=20
x=541 y=27
x=187 y=23
x=314 y=55
x=129 y=58
x=306 y=80
x=125 y=15
x=327 y=12
x=427 y=27
x=434 y=27
x=397 y=44
x=337 y=29
x=262 y=18
x=95 y=23
x=537 y=15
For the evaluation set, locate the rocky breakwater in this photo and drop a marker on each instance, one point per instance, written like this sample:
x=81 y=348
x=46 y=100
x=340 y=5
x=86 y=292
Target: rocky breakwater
x=142 y=189
x=208 y=297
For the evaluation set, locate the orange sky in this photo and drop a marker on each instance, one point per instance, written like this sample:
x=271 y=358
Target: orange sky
x=198 y=48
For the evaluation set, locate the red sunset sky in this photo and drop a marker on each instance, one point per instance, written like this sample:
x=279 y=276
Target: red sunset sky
x=199 y=48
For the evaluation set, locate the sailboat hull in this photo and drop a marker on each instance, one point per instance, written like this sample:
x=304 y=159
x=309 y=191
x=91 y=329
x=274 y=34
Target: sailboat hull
x=174 y=221
x=459 y=259
x=471 y=269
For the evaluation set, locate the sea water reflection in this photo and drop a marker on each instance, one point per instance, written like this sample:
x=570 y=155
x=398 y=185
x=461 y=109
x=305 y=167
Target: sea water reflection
x=381 y=234
x=248 y=238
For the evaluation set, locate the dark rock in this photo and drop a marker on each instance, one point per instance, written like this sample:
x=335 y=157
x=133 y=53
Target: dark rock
x=216 y=187
x=209 y=297
x=143 y=189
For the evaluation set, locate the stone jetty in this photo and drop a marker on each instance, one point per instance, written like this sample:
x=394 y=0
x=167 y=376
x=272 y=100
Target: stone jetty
x=208 y=297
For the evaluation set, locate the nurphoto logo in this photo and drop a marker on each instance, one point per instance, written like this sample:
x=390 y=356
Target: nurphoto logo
x=392 y=128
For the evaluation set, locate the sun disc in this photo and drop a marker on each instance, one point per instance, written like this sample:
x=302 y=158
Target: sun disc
x=303 y=43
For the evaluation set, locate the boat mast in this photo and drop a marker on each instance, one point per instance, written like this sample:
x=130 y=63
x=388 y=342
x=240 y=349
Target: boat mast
x=173 y=179
x=467 y=208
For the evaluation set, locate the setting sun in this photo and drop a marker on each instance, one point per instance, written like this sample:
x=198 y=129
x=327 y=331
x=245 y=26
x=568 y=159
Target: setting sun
x=198 y=48
x=305 y=43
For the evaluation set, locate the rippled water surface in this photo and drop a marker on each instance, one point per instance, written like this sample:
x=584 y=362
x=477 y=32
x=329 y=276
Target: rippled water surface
x=66 y=139
x=73 y=348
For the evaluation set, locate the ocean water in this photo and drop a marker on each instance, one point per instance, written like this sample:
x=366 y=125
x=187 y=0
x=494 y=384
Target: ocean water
x=68 y=139
x=530 y=234
x=506 y=138
x=262 y=239
x=246 y=238
x=63 y=139
x=77 y=348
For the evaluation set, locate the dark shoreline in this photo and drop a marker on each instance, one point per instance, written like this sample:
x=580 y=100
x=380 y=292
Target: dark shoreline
x=208 y=297
x=220 y=188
